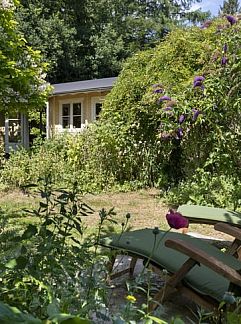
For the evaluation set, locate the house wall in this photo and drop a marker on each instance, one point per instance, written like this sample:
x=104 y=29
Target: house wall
x=86 y=99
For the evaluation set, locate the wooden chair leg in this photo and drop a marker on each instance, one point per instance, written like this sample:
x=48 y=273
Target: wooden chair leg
x=234 y=249
x=172 y=284
x=129 y=270
x=132 y=266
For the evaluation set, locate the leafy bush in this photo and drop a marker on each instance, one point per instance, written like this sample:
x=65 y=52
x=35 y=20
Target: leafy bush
x=208 y=189
x=174 y=111
x=45 y=255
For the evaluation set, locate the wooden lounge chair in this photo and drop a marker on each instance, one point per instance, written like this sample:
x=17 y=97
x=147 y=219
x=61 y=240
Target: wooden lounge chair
x=197 y=269
x=210 y=215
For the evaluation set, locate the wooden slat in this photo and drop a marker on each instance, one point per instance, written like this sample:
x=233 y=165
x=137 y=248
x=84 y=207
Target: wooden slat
x=206 y=259
x=119 y=273
x=229 y=229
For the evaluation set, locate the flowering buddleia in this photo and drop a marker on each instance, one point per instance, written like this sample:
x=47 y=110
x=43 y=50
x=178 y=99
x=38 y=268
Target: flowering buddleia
x=179 y=133
x=181 y=119
x=196 y=113
x=164 y=98
x=231 y=19
x=224 y=60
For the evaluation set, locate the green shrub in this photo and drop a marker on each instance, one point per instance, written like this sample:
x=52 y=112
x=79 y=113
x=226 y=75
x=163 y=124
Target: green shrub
x=141 y=140
x=207 y=189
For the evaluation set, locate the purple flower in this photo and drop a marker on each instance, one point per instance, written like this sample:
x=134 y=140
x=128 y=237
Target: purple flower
x=158 y=90
x=176 y=220
x=231 y=19
x=224 y=60
x=196 y=113
x=225 y=48
x=198 y=81
x=199 y=78
x=181 y=119
x=163 y=98
x=179 y=133
x=167 y=108
x=197 y=84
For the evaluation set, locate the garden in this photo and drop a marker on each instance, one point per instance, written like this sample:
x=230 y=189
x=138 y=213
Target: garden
x=169 y=134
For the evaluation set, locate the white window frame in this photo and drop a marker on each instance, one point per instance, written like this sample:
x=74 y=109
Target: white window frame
x=70 y=102
x=94 y=101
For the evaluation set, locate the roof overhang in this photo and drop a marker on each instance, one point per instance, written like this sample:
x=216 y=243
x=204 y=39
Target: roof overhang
x=71 y=88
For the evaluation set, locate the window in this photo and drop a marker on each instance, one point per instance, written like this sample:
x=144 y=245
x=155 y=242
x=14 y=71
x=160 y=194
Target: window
x=66 y=115
x=98 y=107
x=71 y=115
x=96 y=103
x=13 y=123
x=77 y=115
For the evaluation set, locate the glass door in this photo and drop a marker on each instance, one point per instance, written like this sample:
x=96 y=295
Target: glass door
x=12 y=132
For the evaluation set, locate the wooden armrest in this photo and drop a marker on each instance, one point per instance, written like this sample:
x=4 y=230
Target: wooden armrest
x=202 y=257
x=229 y=229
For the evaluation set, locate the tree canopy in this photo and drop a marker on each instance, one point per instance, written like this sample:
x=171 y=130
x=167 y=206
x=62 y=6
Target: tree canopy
x=91 y=39
x=22 y=72
x=230 y=7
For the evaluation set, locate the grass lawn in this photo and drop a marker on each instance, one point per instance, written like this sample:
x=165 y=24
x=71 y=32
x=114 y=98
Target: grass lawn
x=145 y=206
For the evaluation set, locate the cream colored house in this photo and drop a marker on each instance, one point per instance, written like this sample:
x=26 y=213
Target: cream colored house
x=73 y=105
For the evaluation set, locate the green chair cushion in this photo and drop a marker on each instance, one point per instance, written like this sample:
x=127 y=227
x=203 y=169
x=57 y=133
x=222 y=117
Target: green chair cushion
x=210 y=215
x=200 y=278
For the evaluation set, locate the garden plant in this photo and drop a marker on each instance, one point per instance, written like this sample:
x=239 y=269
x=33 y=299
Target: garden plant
x=172 y=121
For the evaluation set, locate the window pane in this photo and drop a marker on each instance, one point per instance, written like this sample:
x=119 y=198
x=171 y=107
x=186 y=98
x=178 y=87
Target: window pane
x=98 y=107
x=77 y=121
x=77 y=109
x=66 y=122
x=14 y=131
x=65 y=109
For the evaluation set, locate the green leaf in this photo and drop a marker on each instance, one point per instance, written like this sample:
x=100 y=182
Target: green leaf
x=233 y=318
x=11 y=264
x=43 y=205
x=53 y=308
x=69 y=319
x=30 y=231
x=12 y=315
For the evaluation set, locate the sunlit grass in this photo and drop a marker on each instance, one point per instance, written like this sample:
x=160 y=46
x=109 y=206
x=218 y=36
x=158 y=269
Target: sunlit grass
x=145 y=206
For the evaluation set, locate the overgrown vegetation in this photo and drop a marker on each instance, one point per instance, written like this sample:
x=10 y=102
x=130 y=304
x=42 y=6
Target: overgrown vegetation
x=172 y=121
x=52 y=270
x=38 y=259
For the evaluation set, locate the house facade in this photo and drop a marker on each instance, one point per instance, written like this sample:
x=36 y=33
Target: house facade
x=70 y=107
x=73 y=105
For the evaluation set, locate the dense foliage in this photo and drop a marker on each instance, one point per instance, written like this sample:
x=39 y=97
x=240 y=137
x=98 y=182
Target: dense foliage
x=22 y=84
x=51 y=267
x=230 y=7
x=91 y=39
x=171 y=120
